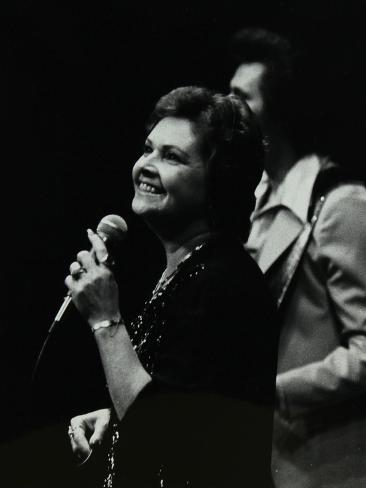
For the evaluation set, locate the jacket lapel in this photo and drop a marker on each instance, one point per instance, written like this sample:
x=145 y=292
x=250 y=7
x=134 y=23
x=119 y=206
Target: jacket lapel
x=290 y=220
x=283 y=232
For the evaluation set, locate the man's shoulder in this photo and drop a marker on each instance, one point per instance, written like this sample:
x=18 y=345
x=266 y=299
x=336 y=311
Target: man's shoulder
x=345 y=200
x=345 y=192
x=343 y=213
x=336 y=184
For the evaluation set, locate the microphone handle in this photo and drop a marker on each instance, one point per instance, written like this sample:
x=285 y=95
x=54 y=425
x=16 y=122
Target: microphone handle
x=62 y=310
x=56 y=321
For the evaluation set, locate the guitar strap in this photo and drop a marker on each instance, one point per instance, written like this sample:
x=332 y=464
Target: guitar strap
x=330 y=176
x=298 y=250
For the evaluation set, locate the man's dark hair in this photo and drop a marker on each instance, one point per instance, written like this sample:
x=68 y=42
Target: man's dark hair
x=231 y=144
x=252 y=45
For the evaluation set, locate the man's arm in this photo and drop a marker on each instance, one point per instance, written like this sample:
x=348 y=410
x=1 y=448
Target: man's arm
x=341 y=375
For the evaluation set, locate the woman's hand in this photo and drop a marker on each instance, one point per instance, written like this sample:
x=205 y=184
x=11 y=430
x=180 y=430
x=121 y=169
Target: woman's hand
x=92 y=285
x=86 y=431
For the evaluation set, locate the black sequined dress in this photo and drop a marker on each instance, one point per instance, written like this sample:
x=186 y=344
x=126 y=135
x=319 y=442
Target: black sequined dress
x=208 y=338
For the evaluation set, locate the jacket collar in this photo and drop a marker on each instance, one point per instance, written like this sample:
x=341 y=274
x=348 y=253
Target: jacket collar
x=294 y=192
x=294 y=195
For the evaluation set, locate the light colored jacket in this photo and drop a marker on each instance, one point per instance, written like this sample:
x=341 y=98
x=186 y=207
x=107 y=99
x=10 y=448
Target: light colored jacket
x=320 y=426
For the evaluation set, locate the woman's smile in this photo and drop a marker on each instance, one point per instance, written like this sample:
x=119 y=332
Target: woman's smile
x=169 y=178
x=149 y=188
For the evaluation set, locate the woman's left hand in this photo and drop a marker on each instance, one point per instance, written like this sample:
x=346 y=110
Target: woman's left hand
x=88 y=430
x=92 y=285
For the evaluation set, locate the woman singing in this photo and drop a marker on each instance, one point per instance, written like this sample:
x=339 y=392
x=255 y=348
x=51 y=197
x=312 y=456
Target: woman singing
x=192 y=378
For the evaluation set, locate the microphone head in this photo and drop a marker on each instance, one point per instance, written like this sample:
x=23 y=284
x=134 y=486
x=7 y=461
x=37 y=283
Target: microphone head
x=112 y=229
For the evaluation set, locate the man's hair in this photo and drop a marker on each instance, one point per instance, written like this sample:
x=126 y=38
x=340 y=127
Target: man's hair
x=231 y=145
x=252 y=45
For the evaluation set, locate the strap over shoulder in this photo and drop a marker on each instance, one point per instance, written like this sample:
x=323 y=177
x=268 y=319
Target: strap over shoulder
x=330 y=176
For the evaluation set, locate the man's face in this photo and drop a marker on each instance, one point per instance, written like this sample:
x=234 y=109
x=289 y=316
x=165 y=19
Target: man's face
x=247 y=83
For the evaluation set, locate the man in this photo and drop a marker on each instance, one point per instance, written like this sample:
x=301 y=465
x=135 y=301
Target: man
x=309 y=237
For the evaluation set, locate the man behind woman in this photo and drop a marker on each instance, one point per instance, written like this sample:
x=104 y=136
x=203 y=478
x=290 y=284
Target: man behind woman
x=320 y=423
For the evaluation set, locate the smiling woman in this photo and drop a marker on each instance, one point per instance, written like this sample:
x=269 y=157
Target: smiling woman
x=217 y=134
x=189 y=404
x=169 y=177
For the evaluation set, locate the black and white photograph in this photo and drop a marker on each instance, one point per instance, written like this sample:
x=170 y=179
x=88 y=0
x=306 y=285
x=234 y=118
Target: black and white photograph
x=184 y=244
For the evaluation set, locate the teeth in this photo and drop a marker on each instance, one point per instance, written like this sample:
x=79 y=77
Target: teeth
x=147 y=188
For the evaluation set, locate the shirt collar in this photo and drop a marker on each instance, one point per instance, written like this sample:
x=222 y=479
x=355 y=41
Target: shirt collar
x=294 y=192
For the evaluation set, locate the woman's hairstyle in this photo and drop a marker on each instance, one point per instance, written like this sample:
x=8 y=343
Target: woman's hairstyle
x=231 y=144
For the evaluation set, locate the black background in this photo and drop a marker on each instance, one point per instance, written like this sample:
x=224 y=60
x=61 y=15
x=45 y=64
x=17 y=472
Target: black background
x=76 y=84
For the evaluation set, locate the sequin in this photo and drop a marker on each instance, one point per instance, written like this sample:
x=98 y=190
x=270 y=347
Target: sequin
x=108 y=480
x=146 y=333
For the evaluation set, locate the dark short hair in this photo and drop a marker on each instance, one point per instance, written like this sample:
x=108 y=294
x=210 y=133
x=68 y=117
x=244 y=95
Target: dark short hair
x=252 y=45
x=231 y=144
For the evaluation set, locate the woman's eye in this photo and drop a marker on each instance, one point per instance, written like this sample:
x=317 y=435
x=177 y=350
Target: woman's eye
x=172 y=156
x=147 y=149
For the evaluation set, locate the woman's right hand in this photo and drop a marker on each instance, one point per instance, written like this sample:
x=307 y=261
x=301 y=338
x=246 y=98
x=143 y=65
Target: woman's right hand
x=87 y=431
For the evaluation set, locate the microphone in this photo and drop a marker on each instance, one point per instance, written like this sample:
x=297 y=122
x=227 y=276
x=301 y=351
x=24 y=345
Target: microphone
x=112 y=229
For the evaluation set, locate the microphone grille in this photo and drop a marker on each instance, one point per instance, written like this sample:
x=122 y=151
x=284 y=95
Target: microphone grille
x=112 y=228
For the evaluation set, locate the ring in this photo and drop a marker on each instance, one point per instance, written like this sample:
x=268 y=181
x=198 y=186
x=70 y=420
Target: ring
x=78 y=272
x=71 y=430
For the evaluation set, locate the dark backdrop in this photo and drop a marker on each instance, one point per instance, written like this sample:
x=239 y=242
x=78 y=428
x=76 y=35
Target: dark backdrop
x=77 y=83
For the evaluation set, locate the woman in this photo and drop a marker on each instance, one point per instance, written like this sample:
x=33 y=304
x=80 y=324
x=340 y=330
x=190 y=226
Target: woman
x=191 y=380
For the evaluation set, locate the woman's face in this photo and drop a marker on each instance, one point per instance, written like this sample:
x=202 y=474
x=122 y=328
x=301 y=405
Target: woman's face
x=169 y=178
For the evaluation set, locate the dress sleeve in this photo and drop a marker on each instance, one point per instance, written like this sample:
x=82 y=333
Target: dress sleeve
x=341 y=375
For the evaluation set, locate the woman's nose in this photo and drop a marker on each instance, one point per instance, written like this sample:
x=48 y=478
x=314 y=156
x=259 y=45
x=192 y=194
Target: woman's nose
x=148 y=170
x=146 y=166
x=148 y=162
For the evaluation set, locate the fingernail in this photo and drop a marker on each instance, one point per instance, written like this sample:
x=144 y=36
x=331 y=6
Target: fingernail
x=90 y=232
